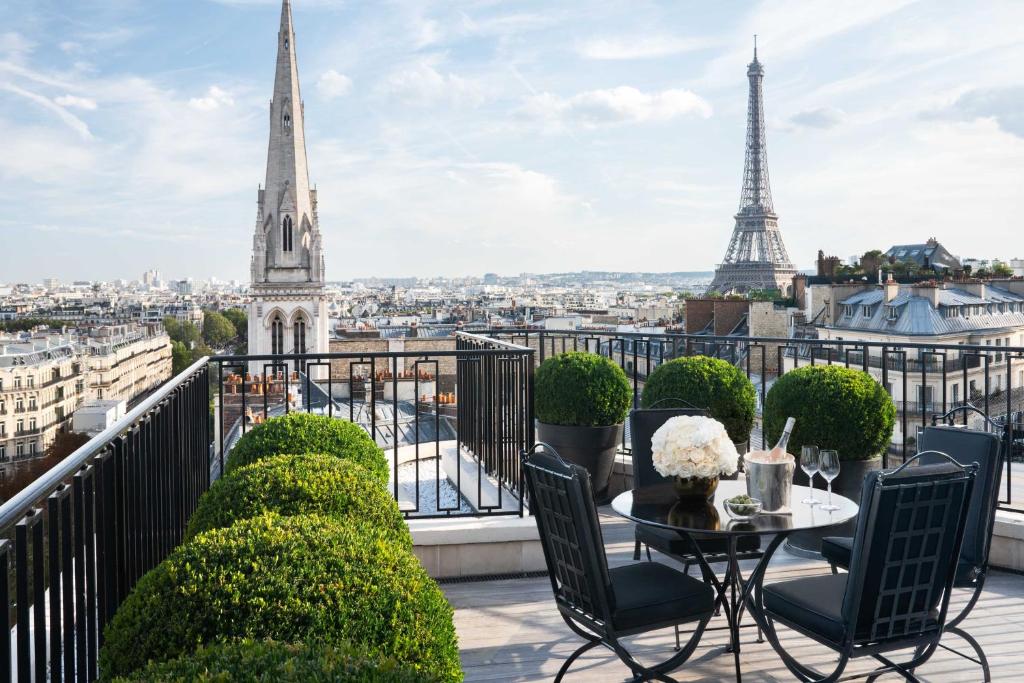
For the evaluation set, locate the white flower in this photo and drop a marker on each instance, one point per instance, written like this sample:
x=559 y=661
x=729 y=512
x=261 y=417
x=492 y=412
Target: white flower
x=693 y=446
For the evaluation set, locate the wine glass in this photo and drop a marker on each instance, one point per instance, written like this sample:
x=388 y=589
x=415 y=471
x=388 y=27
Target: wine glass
x=828 y=465
x=809 y=464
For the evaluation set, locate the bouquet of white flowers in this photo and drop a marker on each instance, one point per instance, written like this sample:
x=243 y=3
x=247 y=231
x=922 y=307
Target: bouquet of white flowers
x=693 y=447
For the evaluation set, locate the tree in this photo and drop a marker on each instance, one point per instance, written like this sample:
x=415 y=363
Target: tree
x=240 y=320
x=181 y=357
x=1000 y=269
x=66 y=443
x=217 y=330
x=185 y=332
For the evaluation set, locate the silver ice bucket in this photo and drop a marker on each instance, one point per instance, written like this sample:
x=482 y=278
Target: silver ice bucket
x=771 y=483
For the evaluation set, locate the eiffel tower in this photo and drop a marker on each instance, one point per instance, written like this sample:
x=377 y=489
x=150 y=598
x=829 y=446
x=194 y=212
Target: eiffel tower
x=756 y=257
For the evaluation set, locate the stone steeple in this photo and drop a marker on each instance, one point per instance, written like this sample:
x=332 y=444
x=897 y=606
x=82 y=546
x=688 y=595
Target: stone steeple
x=288 y=310
x=287 y=243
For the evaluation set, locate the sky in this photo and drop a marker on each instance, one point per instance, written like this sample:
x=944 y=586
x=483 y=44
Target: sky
x=471 y=136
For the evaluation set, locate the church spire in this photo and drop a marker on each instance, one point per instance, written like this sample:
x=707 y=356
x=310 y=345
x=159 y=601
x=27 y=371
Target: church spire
x=288 y=234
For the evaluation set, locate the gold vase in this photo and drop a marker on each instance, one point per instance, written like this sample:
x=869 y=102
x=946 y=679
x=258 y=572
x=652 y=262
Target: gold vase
x=694 y=514
x=699 y=490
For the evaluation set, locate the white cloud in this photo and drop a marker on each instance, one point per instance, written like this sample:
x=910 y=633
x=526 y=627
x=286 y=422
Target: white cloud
x=72 y=121
x=15 y=46
x=216 y=98
x=822 y=117
x=332 y=84
x=76 y=102
x=641 y=47
x=421 y=83
x=616 y=105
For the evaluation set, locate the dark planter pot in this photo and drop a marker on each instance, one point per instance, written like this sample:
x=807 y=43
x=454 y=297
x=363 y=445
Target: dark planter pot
x=593 y=448
x=848 y=483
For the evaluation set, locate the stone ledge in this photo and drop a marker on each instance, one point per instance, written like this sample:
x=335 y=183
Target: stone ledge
x=472 y=530
x=1008 y=541
x=450 y=548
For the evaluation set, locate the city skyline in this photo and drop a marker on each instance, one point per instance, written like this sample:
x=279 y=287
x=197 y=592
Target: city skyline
x=481 y=138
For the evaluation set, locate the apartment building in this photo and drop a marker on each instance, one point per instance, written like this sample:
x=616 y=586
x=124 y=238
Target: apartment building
x=46 y=376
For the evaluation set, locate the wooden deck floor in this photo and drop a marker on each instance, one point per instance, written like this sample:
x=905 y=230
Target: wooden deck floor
x=509 y=630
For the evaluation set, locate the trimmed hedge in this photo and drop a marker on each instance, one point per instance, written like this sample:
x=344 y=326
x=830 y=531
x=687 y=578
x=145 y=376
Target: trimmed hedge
x=835 y=407
x=307 y=433
x=251 y=661
x=306 y=578
x=583 y=389
x=704 y=382
x=299 y=485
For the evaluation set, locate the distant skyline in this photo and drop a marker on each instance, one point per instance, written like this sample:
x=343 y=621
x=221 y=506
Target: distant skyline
x=475 y=136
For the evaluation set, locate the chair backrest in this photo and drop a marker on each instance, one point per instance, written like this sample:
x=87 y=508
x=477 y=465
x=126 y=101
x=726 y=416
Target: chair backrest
x=570 y=532
x=968 y=446
x=905 y=550
x=642 y=425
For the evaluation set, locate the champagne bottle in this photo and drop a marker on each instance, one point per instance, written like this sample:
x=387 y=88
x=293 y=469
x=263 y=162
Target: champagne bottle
x=778 y=453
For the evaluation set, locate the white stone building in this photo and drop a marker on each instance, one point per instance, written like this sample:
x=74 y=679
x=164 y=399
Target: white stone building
x=288 y=312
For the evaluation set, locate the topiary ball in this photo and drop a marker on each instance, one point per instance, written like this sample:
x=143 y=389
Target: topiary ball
x=835 y=407
x=249 y=661
x=307 y=433
x=299 y=485
x=306 y=578
x=582 y=389
x=704 y=382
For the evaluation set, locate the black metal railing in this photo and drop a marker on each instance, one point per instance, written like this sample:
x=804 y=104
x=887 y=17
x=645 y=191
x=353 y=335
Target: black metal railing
x=995 y=389
x=74 y=542
x=452 y=419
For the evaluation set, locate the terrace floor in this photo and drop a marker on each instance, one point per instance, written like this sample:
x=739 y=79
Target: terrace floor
x=509 y=630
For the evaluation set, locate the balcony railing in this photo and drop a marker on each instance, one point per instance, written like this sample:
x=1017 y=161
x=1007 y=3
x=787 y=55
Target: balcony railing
x=452 y=420
x=74 y=542
x=764 y=358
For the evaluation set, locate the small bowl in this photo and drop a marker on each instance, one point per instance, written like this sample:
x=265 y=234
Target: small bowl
x=743 y=510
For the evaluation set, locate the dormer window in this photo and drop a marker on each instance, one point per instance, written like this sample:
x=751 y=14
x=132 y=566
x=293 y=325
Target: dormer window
x=891 y=313
x=865 y=311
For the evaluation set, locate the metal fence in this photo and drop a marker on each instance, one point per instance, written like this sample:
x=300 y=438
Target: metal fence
x=987 y=377
x=74 y=542
x=452 y=421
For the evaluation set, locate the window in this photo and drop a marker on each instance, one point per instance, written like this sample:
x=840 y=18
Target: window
x=276 y=336
x=956 y=393
x=866 y=311
x=3 y=452
x=286 y=234
x=299 y=336
x=848 y=310
x=19 y=426
x=1 y=383
x=32 y=448
x=17 y=382
x=32 y=403
x=892 y=313
x=31 y=381
x=3 y=429
x=924 y=395
x=19 y=449
x=32 y=423
x=19 y=405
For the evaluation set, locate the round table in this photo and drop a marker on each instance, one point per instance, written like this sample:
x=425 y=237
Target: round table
x=659 y=506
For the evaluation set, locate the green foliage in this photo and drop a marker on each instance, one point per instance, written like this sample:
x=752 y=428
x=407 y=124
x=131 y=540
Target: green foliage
x=257 y=661
x=703 y=382
x=217 y=330
x=835 y=407
x=181 y=357
x=1000 y=269
x=23 y=324
x=580 y=388
x=305 y=578
x=239 y=320
x=307 y=433
x=185 y=332
x=299 y=485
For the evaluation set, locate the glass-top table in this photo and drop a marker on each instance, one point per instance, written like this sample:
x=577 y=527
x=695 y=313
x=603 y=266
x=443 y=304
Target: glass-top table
x=659 y=506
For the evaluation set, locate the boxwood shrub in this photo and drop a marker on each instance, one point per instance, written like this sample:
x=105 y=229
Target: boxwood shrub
x=298 y=485
x=580 y=388
x=307 y=433
x=305 y=578
x=704 y=382
x=249 y=661
x=835 y=407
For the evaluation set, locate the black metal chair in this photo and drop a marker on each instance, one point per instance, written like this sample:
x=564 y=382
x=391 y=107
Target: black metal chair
x=642 y=426
x=896 y=594
x=965 y=446
x=599 y=604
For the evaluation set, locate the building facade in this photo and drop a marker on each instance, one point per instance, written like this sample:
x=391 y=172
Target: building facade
x=756 y=258
x=45 y=378
x=288 y=312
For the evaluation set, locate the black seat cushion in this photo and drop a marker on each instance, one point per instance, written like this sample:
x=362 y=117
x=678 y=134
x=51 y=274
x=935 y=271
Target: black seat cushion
x=671 y=543
x=650 y=593
x=815 y=604
x=837 y=549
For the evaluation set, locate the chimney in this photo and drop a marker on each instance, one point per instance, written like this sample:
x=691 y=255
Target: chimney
x=891 y=288
x=928 y=290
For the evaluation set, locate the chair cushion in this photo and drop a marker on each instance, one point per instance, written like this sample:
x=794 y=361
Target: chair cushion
x=837 y=549
x=650 y=593
x=671 y=543
x=814 y=604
